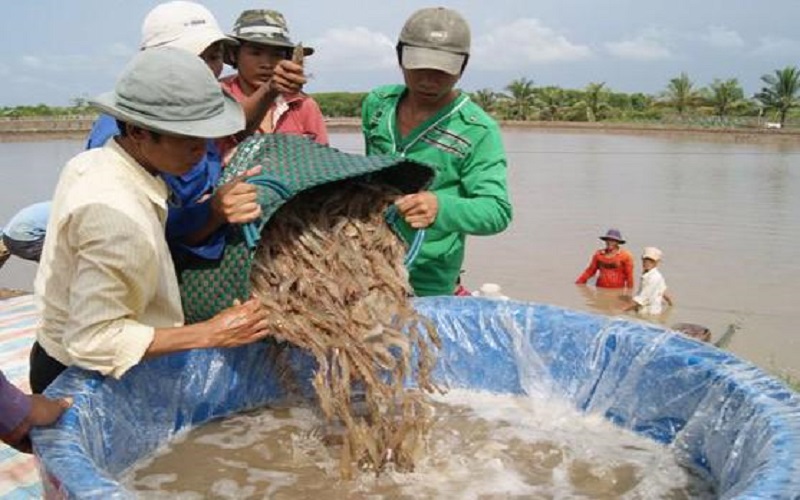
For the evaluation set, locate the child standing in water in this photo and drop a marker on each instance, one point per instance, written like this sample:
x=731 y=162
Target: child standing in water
x=653 y=289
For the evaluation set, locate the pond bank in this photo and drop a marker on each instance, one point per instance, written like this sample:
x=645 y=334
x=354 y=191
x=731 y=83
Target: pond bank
x=9 y=293
x=76 y=128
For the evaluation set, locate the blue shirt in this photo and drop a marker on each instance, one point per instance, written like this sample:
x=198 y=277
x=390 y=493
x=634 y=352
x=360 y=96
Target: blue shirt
x=186 y=213
x=29 y=224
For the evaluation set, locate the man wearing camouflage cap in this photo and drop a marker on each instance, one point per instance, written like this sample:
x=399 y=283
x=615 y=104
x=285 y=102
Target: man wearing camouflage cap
x=265 y=46
x=430 y=121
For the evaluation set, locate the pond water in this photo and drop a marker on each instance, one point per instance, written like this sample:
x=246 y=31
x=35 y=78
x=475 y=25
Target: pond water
x=481 y=446
x=726 y=215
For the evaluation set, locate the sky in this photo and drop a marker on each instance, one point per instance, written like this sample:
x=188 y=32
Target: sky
x=56 y=50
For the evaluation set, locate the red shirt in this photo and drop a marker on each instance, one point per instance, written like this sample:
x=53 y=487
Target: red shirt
x=297 y=115
x=616 y=271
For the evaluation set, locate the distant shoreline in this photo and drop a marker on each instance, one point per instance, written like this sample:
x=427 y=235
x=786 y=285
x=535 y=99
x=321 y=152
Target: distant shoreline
x=10 y=293
x=77 y=128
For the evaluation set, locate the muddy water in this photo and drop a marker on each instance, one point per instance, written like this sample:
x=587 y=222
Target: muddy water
x=726 y=215
x=481 y=446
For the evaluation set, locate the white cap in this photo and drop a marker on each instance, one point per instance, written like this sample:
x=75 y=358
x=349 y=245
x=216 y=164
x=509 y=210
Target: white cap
x=181 y=24
x=652 y=253
x=490 y=291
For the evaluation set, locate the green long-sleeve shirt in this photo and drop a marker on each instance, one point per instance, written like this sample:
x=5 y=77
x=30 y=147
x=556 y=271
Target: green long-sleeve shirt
x=464 y=145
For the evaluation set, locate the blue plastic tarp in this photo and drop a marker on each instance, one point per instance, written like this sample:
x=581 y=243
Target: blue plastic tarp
x=722 y=414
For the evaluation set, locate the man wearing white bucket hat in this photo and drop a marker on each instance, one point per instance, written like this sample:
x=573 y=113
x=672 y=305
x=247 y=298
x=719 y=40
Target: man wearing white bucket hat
x=431 y=121
x=106 y=286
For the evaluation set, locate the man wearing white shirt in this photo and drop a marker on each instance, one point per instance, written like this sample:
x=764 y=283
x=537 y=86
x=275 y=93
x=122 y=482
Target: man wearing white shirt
x=106 y=285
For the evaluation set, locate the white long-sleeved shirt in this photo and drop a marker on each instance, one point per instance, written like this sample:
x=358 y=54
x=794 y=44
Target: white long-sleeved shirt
x=651 y=292
x=106 y=279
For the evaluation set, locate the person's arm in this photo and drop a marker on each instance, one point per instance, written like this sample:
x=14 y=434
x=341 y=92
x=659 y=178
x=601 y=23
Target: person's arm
x=587 y=273
x=631 y=305
x=235 y=326
x=116 y=277
x=236 y=202
x=668 y=298
x=14 y=407
x=288 y=78
x=255 y=107
x=483 y=210
x=19 y=412
x=366 y=117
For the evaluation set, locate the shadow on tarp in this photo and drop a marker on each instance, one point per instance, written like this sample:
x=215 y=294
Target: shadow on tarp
x=718 y=412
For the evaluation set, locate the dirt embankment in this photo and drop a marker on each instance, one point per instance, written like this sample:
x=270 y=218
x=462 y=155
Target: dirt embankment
x=76 y=128
x=7 y=293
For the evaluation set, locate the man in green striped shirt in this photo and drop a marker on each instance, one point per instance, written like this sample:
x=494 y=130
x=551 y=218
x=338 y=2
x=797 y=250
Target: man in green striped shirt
x=430 y=121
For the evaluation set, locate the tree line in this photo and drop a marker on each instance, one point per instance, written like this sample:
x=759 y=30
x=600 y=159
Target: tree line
x=722 y=102
x=682 y=100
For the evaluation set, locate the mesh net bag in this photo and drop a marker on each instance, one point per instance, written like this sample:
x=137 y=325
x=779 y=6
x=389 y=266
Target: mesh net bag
x=290 y=165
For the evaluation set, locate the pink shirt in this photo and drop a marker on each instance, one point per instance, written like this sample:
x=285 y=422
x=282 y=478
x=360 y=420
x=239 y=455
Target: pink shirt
x=298 y=115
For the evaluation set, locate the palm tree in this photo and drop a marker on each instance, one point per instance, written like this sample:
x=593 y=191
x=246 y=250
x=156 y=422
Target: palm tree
x=485 y=98
x=681 y=93
x=725 y=96
x=595 y=97
x=781 y=92
x=552 y=101
x=521 y=94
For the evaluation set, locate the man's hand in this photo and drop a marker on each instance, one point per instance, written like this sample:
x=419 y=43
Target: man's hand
x=238 y=325
x=288 y=77
x=45 y=411
x=419 y=209
x=236 y=202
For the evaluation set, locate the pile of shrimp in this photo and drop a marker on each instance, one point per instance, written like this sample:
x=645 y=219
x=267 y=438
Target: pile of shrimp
x=331 y=273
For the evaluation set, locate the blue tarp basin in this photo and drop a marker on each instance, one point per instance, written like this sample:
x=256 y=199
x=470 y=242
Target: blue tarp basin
x=721 y=413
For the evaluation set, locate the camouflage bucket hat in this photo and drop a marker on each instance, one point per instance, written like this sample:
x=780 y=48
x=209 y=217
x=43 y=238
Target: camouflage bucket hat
x=290 y=165
x=267 y=27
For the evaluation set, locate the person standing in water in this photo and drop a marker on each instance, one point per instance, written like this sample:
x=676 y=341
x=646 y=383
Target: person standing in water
x=652 y=294
x=427 y=119
x=612 y=264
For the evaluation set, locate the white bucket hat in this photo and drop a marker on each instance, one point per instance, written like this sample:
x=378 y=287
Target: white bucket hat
x=652 y=253
x=184 y=25
x=490 y=291
x=172 y=91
